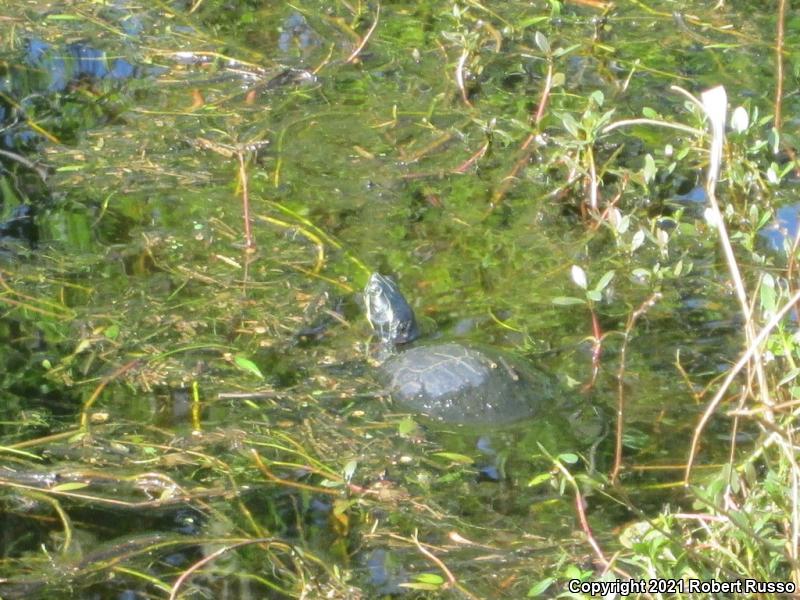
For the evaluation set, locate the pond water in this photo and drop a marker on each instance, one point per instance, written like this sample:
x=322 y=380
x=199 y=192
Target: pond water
x=173 y=384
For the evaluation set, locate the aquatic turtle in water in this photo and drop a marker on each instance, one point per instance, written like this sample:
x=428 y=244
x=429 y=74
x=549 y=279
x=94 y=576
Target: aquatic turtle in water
x=448 y=381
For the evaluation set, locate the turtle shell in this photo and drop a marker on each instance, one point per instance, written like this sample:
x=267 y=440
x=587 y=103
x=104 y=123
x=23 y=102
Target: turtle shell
x=460 y=384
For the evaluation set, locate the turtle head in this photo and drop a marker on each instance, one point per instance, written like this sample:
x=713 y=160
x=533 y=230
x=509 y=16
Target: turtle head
x=388 y=311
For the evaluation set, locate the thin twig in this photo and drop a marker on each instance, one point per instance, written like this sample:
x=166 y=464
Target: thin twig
x=788 y=448
x=248 y=234
x=594 y=184
x=39 y=170
x=548 y=85
x=447 y=572
x=715 y=107
x=632 y=318
x=461 y=169
x=247 y=395
x=99 y=390
x=597 y=350
x=525 y=149
x=365 y=39
x=285 y=482
x=752 y=349
x=790 y=267
x=688 y=95
x=779 y=64
x=656 y=122
x=216 y=554
x=434 y=559
x=579 y=503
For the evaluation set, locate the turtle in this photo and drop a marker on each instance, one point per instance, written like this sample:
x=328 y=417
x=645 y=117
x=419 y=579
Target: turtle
x=449 y=381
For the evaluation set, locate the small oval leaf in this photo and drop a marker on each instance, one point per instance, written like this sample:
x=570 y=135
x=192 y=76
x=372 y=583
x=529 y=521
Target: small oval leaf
x=579 y=277
x=739 y=119
x=650 y=168
x=604 y=281
x=541 y=42
x=649 y=113
x=637 y=241
x=568 y=457
x=571 y=125
x=350 y=470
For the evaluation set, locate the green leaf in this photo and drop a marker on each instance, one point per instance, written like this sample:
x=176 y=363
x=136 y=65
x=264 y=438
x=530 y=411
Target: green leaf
x=765 y=218
x=649 y=113
x=573 y=572
x=540 y=478
x=20 y=452
x=568 y=457
x=245 y=364
x=327 y=483
x=70 y=487
x=541 y=42
x=350 y=469
x=540 y=588
x=562 y=51
x=650 y=168
x=431 y=578
x=604 y=118
x=571 y=125
x=637 y=240
x=420 y=586
x=63 y=17
x=792 y=374
x=454 y=457
x=767 y=294
x=532 y=21
x=775 y=140
x=604 y=281
x=594 y=295
x=407 y=427
x=773 y=174
x=624 y=224
x=567 y=300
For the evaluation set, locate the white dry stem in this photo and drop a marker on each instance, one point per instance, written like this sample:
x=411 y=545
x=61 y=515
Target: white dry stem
x=715 y=105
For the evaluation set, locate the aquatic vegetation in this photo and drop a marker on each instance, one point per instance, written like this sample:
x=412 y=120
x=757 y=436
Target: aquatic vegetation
x=193 y=195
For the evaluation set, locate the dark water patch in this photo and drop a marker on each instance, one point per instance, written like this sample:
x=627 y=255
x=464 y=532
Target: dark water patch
x=780 y=233
x=20 y=225
x=51 y=86
x=59 y=68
